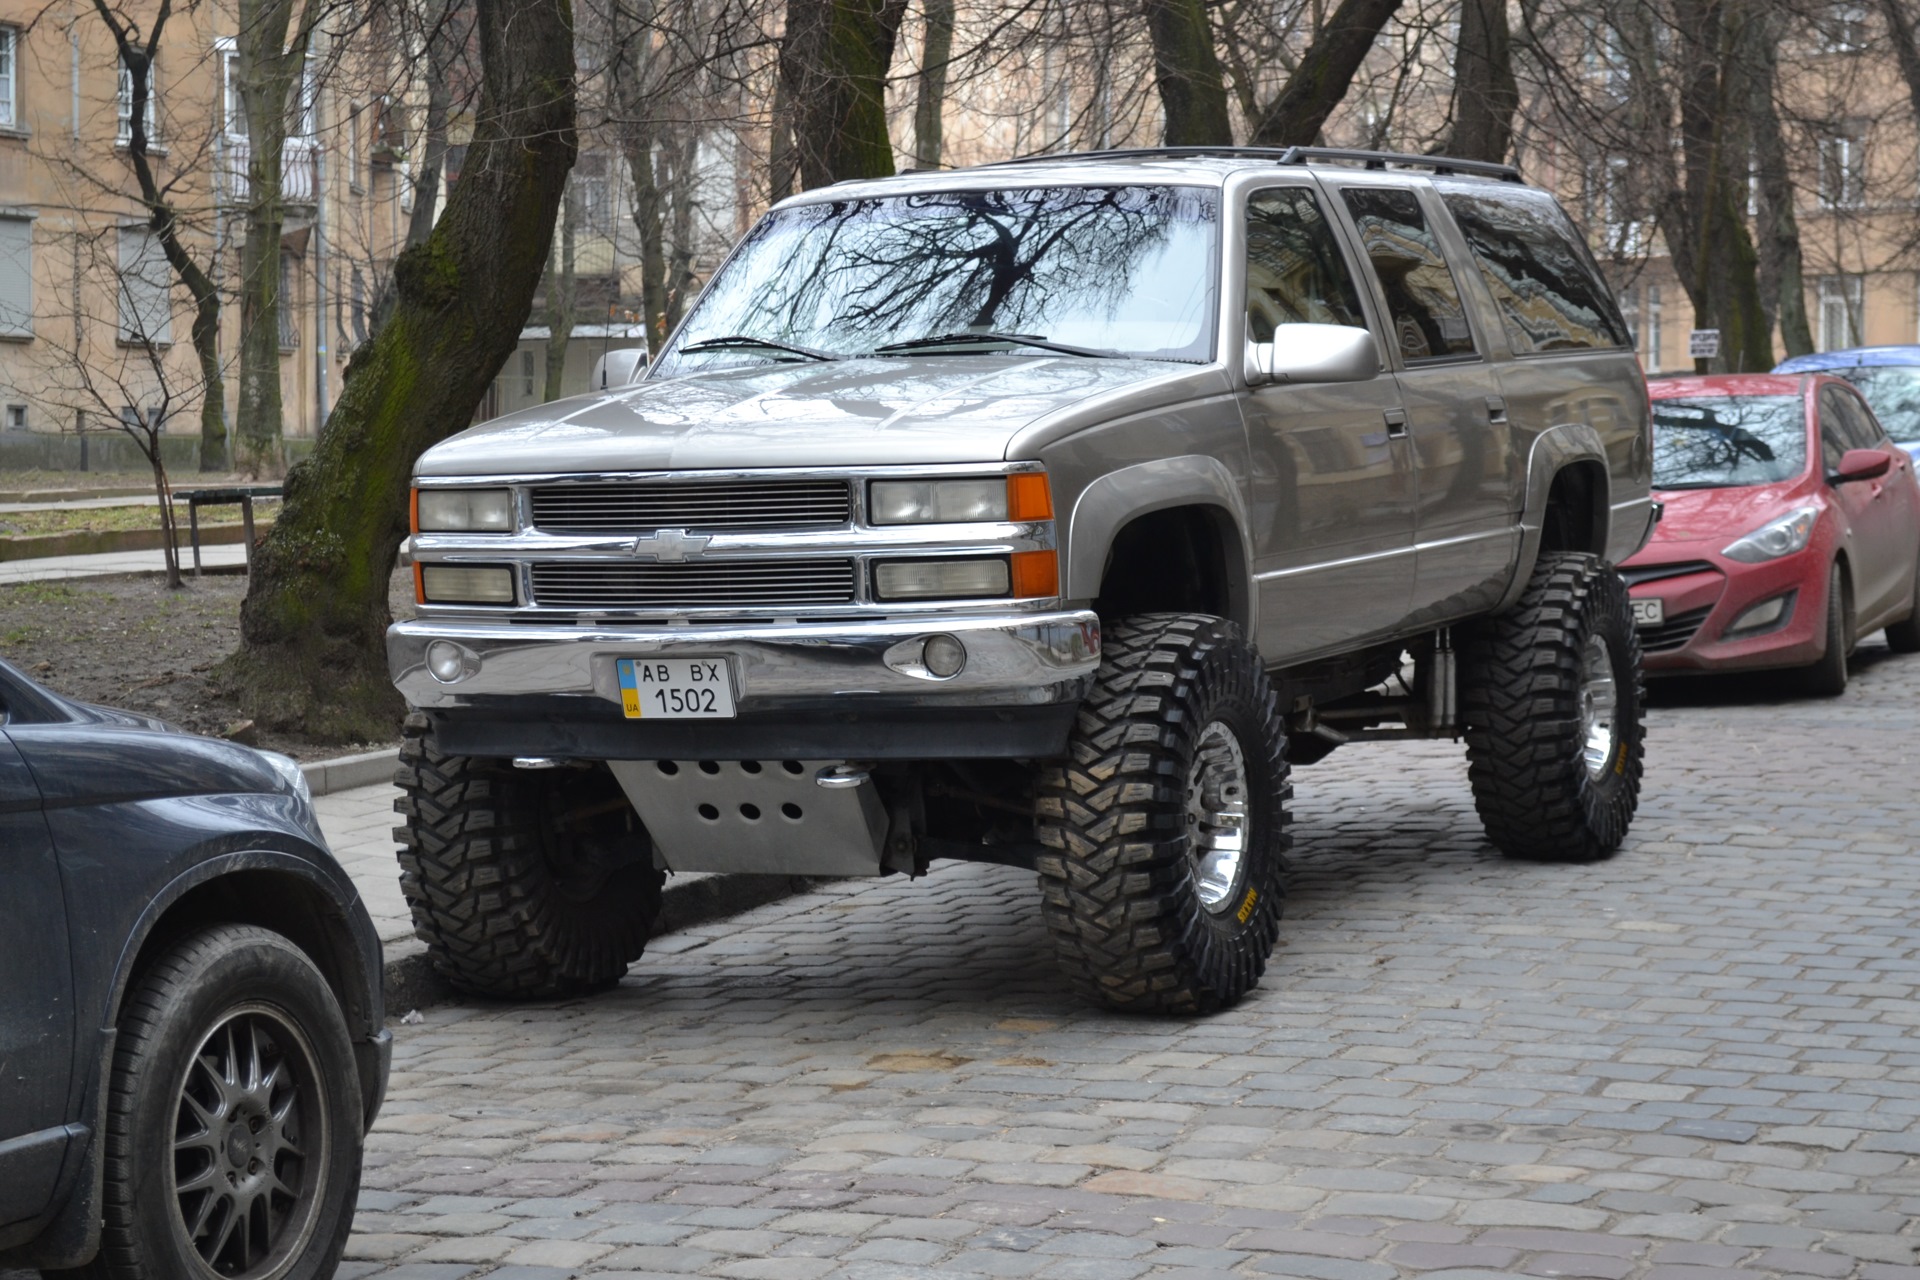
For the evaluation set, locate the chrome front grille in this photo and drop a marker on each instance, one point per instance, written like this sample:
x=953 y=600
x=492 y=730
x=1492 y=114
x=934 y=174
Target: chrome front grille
x=643 y=507
x=711 y=584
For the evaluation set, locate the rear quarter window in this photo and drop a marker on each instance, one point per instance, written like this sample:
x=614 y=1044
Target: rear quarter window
x=1550 y=294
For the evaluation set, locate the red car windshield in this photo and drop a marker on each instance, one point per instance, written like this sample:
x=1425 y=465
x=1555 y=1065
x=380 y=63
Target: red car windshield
x=1725 y=442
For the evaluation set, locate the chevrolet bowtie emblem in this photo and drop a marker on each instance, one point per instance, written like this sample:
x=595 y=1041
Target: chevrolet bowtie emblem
x=671 y=546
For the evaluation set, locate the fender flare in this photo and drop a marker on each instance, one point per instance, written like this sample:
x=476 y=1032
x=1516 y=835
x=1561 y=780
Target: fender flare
x=1115 y=499
x=1553 y=451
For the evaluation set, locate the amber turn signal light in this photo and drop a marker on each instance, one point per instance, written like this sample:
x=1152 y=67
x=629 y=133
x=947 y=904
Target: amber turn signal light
x=1029 y=497
x=413 y=517
x=1036 y=574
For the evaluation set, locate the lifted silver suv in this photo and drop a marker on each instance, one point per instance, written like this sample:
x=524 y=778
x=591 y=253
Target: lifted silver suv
x=1038 y=514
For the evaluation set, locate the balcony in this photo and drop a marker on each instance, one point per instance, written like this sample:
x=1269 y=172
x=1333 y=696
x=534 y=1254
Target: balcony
x=299 y=171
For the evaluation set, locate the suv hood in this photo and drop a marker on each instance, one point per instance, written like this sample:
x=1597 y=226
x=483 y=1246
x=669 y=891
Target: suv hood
x=873 y=411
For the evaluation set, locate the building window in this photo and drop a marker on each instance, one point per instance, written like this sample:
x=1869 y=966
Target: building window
x=354 y=181
x=289 y=335
x=1650 y=329
x=1844 y=28
x=16 y=417
x=526 y=373
x=1842 y=177
x=144 y=279
x=123 y=106
x=233 y=109
x=358 y=310
x=1839 y=312
x=16 y=278
x=9 y=82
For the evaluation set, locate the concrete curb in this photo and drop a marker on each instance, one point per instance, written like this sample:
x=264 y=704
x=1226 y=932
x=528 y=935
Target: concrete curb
x=46 y=546
x=324 y=777
x=411 y=983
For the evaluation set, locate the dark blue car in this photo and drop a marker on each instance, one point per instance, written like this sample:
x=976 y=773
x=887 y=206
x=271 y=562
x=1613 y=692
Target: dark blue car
x=191 y=1024
x=1889 y=377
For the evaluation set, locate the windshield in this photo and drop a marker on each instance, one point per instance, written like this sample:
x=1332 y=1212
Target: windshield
x=1894 y=392
x=1722 y=442
x=1109 y=270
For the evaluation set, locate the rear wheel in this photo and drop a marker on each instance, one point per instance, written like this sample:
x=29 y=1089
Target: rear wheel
x=1827 y=678
x=1165 y=826
x=1551 y=695
x=523 y=884
x=233 y=1139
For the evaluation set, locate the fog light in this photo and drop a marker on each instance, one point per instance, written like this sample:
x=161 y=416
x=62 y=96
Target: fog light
x=1765 y=614
x=945 y=656
x=447 y=661
x=462 y=584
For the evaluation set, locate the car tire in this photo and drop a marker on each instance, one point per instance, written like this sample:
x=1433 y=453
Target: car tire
x=270 y=1192
x=523 y=884
x=1551 y=695
x=1165 y=826
x=1904 y=636
x=1827 y=678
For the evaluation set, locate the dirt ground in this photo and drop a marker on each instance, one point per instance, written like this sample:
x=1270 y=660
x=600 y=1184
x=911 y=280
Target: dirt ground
x=127 y=641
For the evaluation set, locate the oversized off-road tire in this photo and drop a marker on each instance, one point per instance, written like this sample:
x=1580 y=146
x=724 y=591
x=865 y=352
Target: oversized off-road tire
x=1827 y=677
x=1165 y=827
x=524 y=884
x=1551 y=696
x=234 y=1119
x=1904 y=636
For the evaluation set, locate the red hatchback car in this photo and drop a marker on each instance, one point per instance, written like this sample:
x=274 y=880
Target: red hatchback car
x=1791 y=528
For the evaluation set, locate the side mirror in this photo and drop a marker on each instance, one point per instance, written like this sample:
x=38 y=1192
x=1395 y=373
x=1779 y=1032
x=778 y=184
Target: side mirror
x=618 y=368
x=1313 y=353
x=1861 y=464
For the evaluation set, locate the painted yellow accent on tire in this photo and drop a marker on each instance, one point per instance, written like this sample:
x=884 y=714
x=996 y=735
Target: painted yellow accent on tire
x=1246 y=908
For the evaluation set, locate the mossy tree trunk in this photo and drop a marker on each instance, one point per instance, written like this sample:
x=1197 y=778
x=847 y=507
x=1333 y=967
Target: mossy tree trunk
x=1485 y=94
x=271 y=67
x=1326 y=69
x=833 y=61
x=1186 y=70
x=1782 y=279
x=560 y=283
x=312 y=656
x=936 y=52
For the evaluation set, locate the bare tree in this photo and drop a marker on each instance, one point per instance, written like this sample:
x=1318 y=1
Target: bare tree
x=312 y=626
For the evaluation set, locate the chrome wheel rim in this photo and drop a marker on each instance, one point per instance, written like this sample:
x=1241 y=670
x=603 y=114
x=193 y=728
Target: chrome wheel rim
x=1216 y=814
x=1599 y=705
x=250 y=1146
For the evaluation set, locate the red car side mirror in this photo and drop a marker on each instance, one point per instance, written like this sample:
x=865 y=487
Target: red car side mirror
x=1861 y=464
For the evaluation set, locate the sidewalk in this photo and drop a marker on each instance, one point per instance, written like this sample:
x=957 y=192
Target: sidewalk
x=52 y=567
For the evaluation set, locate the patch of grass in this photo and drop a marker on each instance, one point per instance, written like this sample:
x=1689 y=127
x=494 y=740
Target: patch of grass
x=112 y=519
x=44 y=593
x=18 y=635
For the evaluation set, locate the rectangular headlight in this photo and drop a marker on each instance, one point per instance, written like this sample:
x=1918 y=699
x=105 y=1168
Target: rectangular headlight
x=465 y=584
x=463 y=510
x=938 y=501
x=939 y=579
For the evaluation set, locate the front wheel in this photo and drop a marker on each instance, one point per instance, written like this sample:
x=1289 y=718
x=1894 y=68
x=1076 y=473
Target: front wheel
x=233 y=1138
x=1827 y=678
x=1551 y=694
x=1166 y=826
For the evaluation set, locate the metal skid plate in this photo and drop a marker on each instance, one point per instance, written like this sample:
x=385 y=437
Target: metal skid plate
x=757 y=816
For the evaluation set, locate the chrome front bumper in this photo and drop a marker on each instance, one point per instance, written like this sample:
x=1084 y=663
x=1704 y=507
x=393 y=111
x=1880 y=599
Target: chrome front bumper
x=1013 y=660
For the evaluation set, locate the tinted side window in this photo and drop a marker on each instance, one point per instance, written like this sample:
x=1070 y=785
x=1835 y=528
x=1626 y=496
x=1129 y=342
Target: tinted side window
x=1550 y=295
x=1423 y=302
x=1295 y=272
x=1863 y=426
x=1838 y=432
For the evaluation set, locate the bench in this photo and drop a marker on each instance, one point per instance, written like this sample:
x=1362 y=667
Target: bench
x=243 y=495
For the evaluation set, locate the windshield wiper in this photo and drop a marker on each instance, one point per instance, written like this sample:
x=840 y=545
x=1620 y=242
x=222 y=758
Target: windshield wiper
x=970 y=338
x=746 y=341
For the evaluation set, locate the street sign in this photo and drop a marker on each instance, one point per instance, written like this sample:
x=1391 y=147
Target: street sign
x=1703 y=344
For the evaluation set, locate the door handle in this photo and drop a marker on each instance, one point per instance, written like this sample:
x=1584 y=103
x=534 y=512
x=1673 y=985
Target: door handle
x=1396 y=424
x=1496 y=409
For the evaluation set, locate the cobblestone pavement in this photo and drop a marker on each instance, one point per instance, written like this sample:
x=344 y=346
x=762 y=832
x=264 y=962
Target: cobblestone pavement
x=1696 y=1061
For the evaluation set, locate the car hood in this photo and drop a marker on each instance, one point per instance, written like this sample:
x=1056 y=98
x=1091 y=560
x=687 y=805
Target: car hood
x=1691 y=515
x=922 y=409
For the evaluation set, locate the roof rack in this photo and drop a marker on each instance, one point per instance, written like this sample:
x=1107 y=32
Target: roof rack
x=1290 y=155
